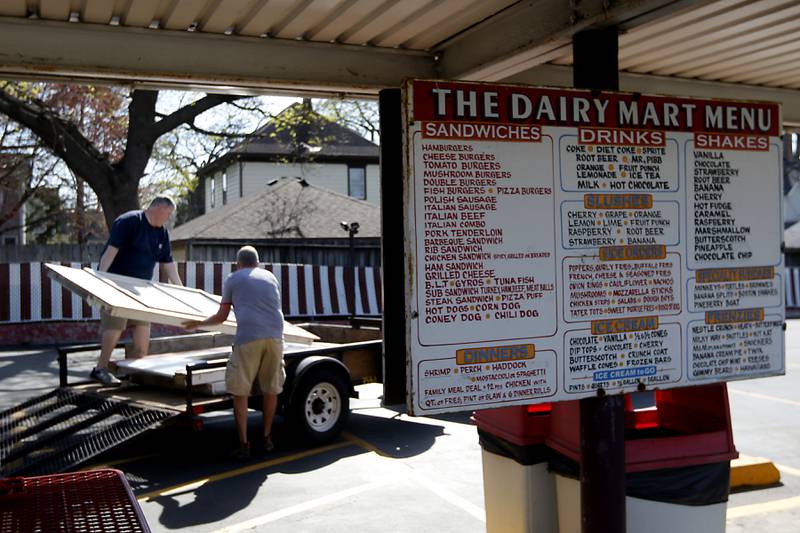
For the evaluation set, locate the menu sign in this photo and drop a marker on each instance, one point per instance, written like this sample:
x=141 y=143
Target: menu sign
x=566 y=241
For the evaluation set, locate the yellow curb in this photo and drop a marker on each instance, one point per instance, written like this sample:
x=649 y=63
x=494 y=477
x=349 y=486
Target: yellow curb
x=748 y=471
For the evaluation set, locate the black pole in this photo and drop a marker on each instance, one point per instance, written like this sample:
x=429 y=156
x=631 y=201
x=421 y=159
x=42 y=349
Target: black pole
x=353 y=279
x=352 y=249
x=392 y=252
x=595 y=66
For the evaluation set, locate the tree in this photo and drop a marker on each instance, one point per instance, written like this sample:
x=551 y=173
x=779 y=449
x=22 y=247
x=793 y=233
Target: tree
x=111 y=164
x=359 y=115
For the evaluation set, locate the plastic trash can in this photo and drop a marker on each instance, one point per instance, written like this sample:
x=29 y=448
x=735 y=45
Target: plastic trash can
x=519 y=490
x=677 y=462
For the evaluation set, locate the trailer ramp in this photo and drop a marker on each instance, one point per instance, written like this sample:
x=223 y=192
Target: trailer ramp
x=62 y=429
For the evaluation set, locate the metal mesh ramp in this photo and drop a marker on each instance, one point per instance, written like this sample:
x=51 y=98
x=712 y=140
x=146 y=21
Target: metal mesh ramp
x=62 y=429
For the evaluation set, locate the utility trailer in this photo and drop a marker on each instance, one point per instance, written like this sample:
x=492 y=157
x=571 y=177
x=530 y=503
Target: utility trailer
x=178 y=382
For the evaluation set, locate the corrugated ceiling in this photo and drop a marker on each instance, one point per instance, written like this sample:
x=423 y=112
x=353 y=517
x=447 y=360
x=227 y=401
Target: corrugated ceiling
x=755 y=42
x=752 y=42
x=412 y=24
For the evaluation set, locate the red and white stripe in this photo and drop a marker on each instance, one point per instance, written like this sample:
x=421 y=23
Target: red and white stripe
x=27 y=294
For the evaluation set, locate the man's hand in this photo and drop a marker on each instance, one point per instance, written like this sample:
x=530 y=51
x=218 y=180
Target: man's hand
x=170 y=270
x=191 y=325
x=218 y=318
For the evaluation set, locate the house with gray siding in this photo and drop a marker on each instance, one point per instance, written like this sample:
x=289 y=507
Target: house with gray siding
x=298 y=143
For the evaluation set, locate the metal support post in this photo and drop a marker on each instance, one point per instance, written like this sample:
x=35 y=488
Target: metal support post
x=595 y=66
x=392 y=251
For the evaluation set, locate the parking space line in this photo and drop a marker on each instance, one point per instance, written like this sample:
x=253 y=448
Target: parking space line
x=764 y=397
x=300 y=507
x=761 y=508
x=197 y=483
x=442 y=492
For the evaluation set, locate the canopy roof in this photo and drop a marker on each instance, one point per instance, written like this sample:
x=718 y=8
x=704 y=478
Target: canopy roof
x=747 y=48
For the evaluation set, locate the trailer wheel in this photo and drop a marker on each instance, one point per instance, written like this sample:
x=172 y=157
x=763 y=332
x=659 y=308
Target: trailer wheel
x=321 y=405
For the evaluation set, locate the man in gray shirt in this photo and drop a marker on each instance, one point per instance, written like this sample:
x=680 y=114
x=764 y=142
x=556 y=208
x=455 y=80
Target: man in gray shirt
x=258 y=348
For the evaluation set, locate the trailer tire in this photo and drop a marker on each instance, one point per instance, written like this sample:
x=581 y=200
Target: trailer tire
x=320 y=405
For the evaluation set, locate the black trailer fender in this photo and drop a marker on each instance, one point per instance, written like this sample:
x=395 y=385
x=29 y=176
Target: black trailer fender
x=295 y=373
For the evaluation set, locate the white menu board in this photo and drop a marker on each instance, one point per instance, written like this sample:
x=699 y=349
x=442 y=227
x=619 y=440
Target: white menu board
x=564 y=241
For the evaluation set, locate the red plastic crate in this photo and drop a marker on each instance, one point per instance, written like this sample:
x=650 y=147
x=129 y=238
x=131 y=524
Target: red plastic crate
x=689 y=426
x=523 y=425
x=92 y=501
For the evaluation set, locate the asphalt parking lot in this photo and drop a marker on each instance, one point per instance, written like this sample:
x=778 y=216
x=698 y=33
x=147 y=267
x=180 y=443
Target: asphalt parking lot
x=388 y=471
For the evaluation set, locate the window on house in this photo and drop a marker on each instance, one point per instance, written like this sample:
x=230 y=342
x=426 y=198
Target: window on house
x=213 y=191
x=10 y=240
x=224 y=188
x=357 y=182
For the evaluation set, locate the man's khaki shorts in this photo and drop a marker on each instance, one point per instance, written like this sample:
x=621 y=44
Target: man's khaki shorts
x=115 y=322
x=262 y=359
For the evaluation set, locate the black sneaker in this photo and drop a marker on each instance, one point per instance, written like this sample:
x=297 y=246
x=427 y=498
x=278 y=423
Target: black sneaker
x=103 y=376
x=268 y=445
x=241 y=453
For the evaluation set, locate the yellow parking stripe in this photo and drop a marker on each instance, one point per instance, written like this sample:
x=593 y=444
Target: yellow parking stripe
x=358 y=441
x=192 y=485
x=118 y=462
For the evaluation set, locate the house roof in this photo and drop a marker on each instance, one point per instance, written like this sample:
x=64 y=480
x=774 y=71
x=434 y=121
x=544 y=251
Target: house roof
x=791 y=237
x=298 y=133
x=287 y=208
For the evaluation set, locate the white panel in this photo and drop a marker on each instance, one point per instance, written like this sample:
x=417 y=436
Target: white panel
x=294 y=308
x=77 y=301
x=15 y=296
x=13 y=8
x=421 y=22
x=233 y=182
x=387 y=18
x=328 y=175
x=265 y=18
x=310 y=16
x=191 y=275
x=354 y=13
x=357 y=291
x=341 y=294
x=372 y=297
x=208 y=276
x=276 y=271
x=97 y=11
x=36 y=291
x=183 y=13
x=224 y=15
x=374 y=184
x=140 y=13
x=95 y=309
x=155 y=302
x=54 y=9
x=55 y=301
x=311 y=305
x=325 y=290
x=460 y=19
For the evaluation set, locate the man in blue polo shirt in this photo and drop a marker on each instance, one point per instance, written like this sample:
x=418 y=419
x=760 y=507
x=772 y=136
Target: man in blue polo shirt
x=138 y=240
